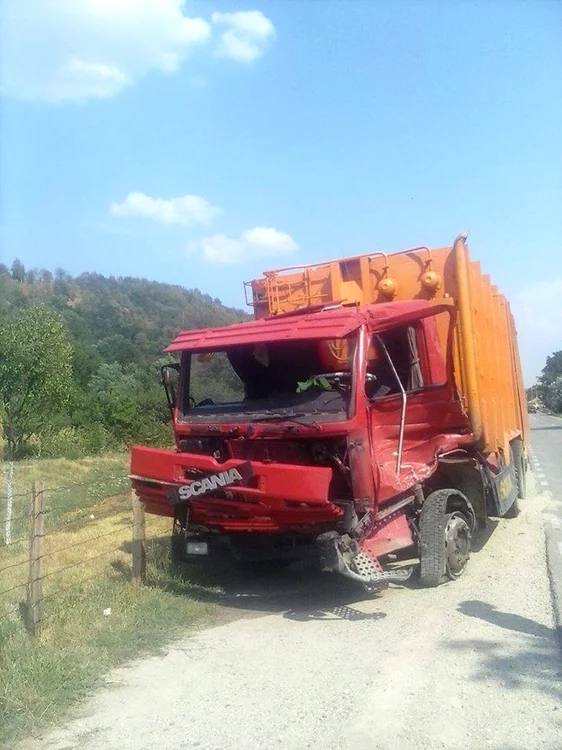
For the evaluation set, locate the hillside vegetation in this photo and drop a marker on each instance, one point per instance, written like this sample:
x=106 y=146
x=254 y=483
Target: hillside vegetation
x=116 y=328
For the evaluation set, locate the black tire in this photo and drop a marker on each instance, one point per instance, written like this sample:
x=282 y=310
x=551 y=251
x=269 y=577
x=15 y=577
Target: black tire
x=520 y=468
x=438 y=562
x=514 y=509
x=516 y=454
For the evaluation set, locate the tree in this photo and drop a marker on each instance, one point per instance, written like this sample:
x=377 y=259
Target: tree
x=45 y=276
x=35 y=374
x=18 y=270
x=554 y=395
x=113 y=401
x=552 y=369
x=60 y=274
x=549 y=381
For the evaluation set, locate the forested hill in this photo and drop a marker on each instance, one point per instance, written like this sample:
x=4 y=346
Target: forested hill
x=117 y=328
x=114 y=319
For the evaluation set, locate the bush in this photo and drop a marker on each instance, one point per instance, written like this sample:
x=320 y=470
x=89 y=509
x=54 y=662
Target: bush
x=75 y=442
x=155 y=434
x=98 y=439
x=65 y=443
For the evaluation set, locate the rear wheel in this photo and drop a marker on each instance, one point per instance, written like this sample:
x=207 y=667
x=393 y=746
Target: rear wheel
x=445 y=537
x=520 y=468
x=518 y=461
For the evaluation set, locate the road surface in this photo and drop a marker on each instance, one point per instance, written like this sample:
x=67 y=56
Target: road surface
x=473 y=664
x=546 y=461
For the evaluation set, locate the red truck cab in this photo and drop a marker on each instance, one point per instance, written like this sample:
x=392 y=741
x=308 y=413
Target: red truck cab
x=345 y=438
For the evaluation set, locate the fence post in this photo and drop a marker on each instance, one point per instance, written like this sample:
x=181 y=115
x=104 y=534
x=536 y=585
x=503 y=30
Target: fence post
x=139 y=535
x=8 y=514
x=35 y=585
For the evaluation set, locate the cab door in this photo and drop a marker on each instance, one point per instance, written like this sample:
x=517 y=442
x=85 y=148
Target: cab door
x=414 y=411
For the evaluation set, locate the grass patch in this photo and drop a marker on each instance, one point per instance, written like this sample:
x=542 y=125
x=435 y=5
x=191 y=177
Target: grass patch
x=71 y=487
x=87 y=567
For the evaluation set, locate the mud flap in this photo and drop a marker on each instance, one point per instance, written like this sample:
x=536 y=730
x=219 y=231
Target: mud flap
x=504 y=489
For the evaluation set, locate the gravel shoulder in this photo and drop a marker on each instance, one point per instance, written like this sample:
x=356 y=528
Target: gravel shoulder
x=472 y=664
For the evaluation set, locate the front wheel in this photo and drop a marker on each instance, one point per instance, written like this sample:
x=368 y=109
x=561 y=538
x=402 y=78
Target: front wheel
x=445 y=537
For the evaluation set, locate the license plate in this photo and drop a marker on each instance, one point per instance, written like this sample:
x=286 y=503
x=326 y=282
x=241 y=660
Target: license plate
x=197 y=548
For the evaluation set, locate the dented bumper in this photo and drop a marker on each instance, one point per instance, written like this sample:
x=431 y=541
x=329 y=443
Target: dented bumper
x=233 y=495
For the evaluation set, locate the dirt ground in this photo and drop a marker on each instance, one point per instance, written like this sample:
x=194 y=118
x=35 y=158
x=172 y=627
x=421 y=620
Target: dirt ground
x=320 y=664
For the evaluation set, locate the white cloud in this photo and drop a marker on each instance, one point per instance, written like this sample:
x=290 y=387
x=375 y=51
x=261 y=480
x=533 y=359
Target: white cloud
x=185 y=210
x=259 y=242
x=75 y=50
x=538 y=318
x=246 y=38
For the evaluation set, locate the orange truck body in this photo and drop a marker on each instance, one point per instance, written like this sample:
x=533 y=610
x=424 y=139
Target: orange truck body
x=487 y=367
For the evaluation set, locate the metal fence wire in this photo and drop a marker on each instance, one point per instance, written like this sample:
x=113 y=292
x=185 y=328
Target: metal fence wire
x=28 y=568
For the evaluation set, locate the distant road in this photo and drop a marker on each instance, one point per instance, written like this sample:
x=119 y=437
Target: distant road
x=546 y=440
x=546 y=461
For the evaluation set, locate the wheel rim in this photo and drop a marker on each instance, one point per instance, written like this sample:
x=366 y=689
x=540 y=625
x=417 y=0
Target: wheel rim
x=457 y=544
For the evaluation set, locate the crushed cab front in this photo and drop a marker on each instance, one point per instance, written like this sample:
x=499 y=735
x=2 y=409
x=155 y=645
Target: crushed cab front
x=234 y=495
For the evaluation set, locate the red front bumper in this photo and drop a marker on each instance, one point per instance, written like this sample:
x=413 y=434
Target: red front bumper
x=279 y=497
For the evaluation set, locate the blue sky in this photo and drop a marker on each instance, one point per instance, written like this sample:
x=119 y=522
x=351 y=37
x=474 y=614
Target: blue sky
x=200 y=143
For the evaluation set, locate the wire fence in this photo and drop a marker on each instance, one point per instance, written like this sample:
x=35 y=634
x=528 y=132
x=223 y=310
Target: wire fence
x=67 y=537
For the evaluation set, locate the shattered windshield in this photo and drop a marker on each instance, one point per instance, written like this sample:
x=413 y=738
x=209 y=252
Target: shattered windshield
x=288 y=379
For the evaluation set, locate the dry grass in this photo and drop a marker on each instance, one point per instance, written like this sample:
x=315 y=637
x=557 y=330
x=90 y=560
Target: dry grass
x=70 y=487
x=86 y=569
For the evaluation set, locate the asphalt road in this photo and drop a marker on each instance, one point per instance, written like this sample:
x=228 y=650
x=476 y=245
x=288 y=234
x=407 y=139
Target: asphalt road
x=546 y=462
x=546 y=442
x=471 y=665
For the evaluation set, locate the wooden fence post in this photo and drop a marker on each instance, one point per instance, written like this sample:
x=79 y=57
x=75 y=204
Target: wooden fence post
x=139 y=535
x=35 y=586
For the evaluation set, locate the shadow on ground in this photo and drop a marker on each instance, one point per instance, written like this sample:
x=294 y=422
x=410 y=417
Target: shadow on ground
x=301 y=592
x=532 y=661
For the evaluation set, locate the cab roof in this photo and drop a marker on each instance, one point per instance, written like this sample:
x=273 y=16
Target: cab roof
x=331 y=323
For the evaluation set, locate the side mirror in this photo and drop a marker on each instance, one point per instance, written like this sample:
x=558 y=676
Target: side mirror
x=168 y=385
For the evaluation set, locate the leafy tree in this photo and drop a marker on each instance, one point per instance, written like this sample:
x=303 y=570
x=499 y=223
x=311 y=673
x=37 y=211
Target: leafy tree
x=552 y=369
x=18 y=270
x=4 y=270
x=547 y=387
x=127 y=321
x=112 y=400
x=86 y=361
x=35 y=374
x=45 y=276
x=554 y=395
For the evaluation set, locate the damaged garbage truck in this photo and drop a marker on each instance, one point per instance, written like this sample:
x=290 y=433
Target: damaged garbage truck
x=377 y=419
